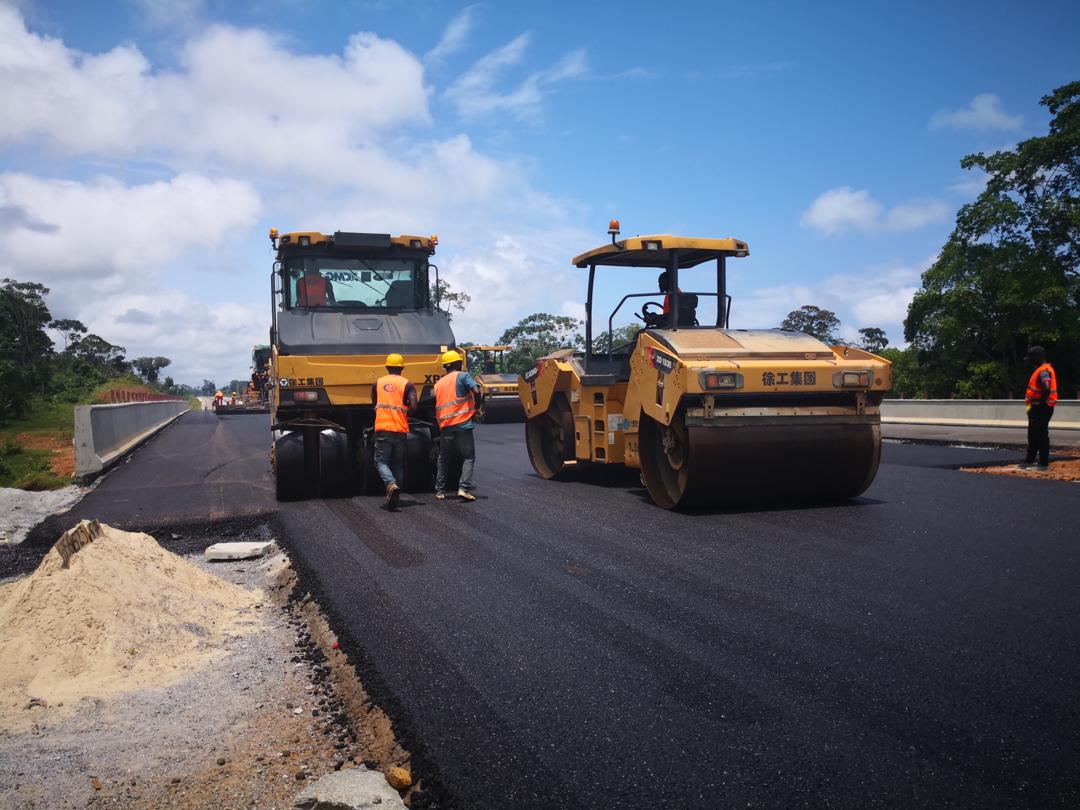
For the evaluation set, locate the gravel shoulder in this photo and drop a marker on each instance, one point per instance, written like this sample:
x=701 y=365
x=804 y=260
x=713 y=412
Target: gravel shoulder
x=274 y=710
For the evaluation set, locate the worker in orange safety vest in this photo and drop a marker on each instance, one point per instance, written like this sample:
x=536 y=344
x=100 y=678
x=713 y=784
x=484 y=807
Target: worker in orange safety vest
x=457 y=396
x=314 y=290
x=1041 y=397
x=394 y=398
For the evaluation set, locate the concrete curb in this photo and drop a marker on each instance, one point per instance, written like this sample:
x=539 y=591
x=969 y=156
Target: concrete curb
x=104 y=434
x=974 y=413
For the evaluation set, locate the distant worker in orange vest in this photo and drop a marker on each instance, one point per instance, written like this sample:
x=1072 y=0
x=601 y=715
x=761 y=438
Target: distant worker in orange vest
x=457 y=395
x=1041 y=397
x=313 y=290
x=394 y=398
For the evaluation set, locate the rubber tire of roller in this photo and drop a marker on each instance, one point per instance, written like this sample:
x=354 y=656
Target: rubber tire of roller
x=336 y=476
x=419 y=476
x=289 y=479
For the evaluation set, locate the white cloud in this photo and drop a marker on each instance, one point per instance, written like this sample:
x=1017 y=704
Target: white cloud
x=985 y=112
x=240 y=97
x=846 y=209
x=879 y=296
x=72 y=231
x=246 y=132
x=454 y=36
x=474 y=93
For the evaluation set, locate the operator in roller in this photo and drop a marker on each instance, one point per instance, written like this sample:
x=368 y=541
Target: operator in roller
x=457 y=395
x=394 y=398
x=314 y=290
x=1041 y=397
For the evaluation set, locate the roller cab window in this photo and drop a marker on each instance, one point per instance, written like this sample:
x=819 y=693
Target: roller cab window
x=322 y=282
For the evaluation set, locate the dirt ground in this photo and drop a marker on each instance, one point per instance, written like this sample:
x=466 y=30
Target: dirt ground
x=62 y=460
x=276 y=709
x=1062 y=468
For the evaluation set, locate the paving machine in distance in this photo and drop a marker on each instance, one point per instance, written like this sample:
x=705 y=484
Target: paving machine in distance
x=498 y=387
x=255 y=398
x=708 y=414
x=341 y=303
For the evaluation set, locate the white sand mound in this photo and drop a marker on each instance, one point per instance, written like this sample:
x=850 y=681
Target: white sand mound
x=106 y=612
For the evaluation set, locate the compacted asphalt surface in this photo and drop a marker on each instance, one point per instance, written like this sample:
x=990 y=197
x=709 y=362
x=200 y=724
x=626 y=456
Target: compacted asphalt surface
x=568 y=644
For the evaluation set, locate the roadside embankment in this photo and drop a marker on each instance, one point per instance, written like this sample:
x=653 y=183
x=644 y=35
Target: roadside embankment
x=131 y=677
x=104 y=433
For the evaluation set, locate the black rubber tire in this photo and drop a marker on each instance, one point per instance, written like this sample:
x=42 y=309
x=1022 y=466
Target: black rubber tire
x=289 y=480
x=336 y=475
x=419 y=475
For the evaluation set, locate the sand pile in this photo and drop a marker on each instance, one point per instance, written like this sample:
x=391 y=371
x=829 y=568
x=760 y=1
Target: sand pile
x=106 y=612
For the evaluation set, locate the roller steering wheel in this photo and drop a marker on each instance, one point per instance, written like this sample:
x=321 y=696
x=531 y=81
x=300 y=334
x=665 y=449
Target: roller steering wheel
x=652 y=320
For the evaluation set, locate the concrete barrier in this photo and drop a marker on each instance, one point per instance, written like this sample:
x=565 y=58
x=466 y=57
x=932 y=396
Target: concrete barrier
x=104 y=433
x=974 y=413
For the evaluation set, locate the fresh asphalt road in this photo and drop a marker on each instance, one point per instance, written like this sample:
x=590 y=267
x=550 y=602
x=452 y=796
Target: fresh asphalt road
x=567 y=644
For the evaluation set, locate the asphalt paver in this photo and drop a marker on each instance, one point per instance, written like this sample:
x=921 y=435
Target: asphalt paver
x=568 y=644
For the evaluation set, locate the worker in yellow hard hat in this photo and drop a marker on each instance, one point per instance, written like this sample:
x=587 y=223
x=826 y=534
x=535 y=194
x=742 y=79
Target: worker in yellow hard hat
x=394 y=398
x=457 y=396
x=232 y=398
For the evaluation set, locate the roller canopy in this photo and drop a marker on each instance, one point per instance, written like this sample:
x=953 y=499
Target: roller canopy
x=655 y=251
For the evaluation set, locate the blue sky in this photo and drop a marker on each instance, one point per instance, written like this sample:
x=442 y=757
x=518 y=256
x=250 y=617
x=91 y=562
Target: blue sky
x=147 y=146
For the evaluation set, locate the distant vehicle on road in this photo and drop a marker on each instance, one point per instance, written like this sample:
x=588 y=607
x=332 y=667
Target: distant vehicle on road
x=498 y=387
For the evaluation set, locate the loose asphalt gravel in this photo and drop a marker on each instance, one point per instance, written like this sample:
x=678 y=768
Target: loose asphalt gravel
x=569 y=644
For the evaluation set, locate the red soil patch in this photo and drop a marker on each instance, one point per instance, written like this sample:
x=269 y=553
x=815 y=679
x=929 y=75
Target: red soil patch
x=62 y=460
x=1062 y=469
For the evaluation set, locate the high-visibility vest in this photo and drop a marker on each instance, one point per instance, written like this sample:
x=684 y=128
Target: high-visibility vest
x=450 y=409
x=311 y=291
x=1035 y=394
x=391 y=414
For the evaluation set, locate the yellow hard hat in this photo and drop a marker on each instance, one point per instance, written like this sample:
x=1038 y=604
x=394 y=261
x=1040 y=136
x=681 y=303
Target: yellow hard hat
x=395 y=360
x=218 y=394
x=451 y=357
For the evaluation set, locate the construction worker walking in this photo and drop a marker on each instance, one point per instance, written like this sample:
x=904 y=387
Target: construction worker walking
x=1041 y=397
x=394 y=398
x=456 y=400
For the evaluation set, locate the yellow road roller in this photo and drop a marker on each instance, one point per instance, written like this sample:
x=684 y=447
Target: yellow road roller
x=498 y=387
x=709 y=414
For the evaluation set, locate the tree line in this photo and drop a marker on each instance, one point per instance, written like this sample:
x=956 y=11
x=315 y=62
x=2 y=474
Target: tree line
x=32 y=365
x=1007 y=277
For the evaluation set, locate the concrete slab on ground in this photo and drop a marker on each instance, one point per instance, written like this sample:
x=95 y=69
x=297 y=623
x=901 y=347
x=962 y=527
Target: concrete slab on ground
x=237 y=551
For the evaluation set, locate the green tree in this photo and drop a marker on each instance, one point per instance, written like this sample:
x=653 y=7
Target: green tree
x=71 y=330
x=25 y=348
x=99 y=353
x=873 y=339
x=148 y=367
x=448 y=299
x=539 y=334
x=620 y=336
x=1009 y=274
x=816 y=322
x=208 y=388
x=907 y=377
